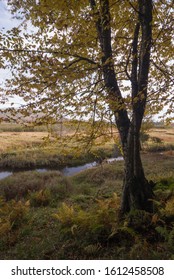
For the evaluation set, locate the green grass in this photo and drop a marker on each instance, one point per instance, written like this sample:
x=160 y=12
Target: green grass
x=48 y=216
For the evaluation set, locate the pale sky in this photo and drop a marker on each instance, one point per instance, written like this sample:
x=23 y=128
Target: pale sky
x=7 y=22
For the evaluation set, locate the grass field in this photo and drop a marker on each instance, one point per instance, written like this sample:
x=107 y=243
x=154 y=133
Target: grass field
x=10 y=141
x=165 y=134
x=49 y=216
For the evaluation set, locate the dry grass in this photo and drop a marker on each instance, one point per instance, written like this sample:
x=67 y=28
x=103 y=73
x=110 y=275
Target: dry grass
x=14 y=140
x=17 y=140
x=15 y=137
x=165 y=134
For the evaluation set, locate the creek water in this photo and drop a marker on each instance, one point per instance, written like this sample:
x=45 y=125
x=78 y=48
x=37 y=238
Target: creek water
x=67 y=171
x=4 y=174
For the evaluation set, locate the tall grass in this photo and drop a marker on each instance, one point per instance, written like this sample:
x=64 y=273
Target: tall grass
x=21 y=185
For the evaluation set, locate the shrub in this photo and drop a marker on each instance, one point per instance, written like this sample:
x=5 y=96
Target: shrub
x=40 y=198
x=156 y=140
x=96 y=223
x=144 y=137
x=12 y=215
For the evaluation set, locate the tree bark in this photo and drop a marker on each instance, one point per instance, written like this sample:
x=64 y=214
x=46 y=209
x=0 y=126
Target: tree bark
x=137 y=191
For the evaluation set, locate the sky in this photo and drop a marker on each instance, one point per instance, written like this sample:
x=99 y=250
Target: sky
x=7 y=22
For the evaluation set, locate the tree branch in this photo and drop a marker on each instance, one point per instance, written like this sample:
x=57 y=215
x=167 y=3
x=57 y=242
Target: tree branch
x=134 y=74
x=50 y=52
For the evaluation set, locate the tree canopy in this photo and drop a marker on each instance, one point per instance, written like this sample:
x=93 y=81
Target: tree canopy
x=58 y=59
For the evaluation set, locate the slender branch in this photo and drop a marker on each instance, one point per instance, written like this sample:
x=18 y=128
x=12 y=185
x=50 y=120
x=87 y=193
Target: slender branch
x=137 y=11
x=165 y=72
x=50 y=52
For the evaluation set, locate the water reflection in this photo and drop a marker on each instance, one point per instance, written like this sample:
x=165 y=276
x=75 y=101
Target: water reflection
x=68 y=171
x=5 y=174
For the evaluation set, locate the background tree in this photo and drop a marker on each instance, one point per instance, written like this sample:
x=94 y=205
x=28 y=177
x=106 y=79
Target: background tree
x=92 y=59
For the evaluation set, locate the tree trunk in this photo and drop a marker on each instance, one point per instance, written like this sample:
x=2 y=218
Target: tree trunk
x=137 y=191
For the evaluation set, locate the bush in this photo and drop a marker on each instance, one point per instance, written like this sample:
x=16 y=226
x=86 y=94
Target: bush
x=95 y=224
x=144 y=137
x=40 y=198
x=12 y=215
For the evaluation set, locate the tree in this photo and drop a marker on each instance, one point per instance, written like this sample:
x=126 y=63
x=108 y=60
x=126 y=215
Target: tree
x=92 y=58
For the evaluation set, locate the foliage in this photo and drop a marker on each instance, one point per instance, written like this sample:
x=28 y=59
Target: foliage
x=169 y=208
x=138 y=219
x=165 y=183
x=96 y=222
x=40 y=198
x=160 y=148
x=144 y=137
x=167 y=234
x=137 y=237
x=57 y=56
x=12 y=215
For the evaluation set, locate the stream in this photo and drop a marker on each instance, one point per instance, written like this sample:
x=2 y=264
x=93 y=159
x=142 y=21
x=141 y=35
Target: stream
x=67 y=171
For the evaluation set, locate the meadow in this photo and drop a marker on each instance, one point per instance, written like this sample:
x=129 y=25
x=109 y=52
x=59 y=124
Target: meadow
x=50 y=216
x=23 y=148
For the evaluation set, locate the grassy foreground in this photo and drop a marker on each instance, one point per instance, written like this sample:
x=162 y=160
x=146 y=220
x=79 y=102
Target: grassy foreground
x=48 y=216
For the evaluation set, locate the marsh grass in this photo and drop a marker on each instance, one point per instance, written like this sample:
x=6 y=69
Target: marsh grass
x=31 y=149
x=52 y=154
x=16 y=127
x=21 y=185
x=76 y=218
